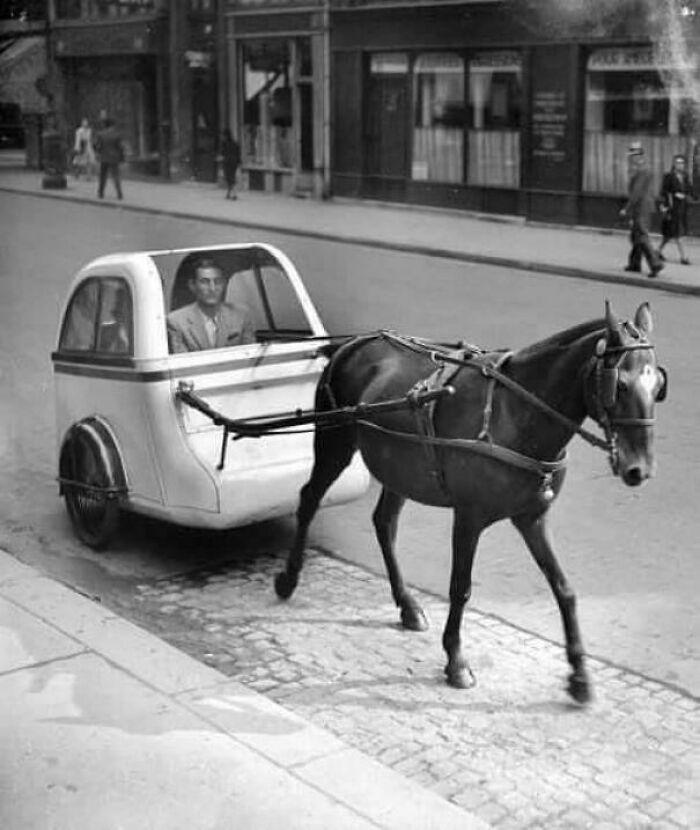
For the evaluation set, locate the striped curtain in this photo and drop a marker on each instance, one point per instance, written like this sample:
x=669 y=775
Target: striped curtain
x=494 y=158
x=437 y=154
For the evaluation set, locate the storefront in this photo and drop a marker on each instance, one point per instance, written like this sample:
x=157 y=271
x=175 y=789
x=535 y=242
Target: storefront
x=461 y=106
x=115 y=69
x=278 y=91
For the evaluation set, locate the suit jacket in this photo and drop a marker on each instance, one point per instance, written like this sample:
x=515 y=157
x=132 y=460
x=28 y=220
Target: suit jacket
x=186 y=331
x=109 y=146
x=641 y=205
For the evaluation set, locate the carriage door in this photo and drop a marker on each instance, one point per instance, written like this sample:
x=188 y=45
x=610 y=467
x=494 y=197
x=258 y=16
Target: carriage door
x=387 y=124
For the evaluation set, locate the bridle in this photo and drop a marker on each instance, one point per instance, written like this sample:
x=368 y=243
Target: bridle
x=601 y=394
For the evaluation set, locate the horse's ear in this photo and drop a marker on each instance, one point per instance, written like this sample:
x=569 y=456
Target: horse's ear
x=613 y=324
x=643 y=319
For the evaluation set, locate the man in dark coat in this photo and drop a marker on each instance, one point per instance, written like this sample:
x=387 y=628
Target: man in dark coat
x=110 y=150
x=209 y=322
x=639 y=209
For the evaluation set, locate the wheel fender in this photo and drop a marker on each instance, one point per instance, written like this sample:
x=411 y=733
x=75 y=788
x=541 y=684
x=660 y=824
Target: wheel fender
x=97 y=432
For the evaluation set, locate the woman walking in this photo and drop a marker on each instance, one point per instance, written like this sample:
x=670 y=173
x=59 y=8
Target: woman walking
x=676 y=192
x=84 y=160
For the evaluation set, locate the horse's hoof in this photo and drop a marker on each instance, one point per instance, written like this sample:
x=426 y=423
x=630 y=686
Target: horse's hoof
x=413 y=618
x=285 y=585
x=579 y=688
x=460 y=678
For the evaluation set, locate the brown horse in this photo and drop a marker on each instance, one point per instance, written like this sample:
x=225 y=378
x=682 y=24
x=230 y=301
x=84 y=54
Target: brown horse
x=491 y=448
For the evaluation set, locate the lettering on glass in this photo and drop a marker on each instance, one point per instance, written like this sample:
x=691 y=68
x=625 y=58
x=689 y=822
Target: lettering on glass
x=549 y=125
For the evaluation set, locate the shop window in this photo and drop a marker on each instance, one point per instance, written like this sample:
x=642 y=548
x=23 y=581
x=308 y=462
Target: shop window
x=438 y=118
x=267 y=139
x=630 y=97
x=495 y=98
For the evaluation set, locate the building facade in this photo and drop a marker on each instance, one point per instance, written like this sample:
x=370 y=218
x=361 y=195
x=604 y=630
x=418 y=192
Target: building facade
x=517 y=107
x=504 y=107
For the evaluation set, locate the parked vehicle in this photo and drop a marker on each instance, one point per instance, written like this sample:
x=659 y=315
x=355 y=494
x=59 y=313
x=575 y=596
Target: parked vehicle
x=126 y=439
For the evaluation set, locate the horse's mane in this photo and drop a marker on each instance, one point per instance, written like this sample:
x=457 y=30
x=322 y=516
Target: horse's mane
x=562 y=339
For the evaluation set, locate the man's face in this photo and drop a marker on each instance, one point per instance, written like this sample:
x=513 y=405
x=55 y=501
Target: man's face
x=208 y=287
x=679 y=164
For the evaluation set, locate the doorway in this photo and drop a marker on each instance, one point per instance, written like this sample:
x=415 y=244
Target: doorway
x=387 y=142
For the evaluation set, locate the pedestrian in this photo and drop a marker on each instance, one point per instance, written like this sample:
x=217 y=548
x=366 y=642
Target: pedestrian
x=231 y=157
x=676 y=192
x=84 y=160
x=110 y=149
x=639 y=209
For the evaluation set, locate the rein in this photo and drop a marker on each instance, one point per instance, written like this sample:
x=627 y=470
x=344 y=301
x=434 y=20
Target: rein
x=486 y=369
x=596 y=366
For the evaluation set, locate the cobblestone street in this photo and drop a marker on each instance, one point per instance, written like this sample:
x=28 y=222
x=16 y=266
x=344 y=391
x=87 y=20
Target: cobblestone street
x=513 y=750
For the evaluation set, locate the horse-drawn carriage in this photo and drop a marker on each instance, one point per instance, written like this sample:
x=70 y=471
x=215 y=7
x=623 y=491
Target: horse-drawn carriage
x=481 y=432
x=127 y=440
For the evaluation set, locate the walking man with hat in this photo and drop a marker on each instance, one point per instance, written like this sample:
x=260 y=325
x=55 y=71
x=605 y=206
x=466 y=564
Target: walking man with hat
x=639 y=209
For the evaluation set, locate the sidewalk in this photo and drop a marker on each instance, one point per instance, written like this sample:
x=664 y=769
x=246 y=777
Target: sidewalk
x=505 y=241
x=105 y=726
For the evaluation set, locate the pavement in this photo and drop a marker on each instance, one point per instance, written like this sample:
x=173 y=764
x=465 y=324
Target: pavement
x=104 y=725
x=582 y=253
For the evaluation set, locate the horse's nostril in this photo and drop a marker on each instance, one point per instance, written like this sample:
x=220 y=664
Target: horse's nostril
x=633 y=477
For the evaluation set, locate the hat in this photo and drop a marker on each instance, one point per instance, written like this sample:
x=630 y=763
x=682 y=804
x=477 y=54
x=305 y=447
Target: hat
x=635 y=149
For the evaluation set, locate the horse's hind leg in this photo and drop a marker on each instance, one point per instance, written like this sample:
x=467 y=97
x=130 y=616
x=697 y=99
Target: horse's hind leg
x=333 y=451
x=533 y=529
x=386 y=519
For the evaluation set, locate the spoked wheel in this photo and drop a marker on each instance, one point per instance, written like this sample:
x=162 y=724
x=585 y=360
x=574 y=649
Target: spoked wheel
x=93 y=511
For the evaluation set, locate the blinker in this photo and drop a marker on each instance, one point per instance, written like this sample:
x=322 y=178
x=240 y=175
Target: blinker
x=661 y=394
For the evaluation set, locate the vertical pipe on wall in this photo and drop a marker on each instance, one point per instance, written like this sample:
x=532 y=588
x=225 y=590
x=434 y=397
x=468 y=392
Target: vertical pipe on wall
x=326 y=108
x=174 y=137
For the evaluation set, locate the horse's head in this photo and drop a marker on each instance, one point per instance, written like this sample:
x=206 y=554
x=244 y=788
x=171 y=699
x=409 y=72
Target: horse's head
x=623 y=386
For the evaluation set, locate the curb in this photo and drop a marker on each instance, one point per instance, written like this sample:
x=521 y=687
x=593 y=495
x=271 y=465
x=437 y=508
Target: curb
x=385 y=245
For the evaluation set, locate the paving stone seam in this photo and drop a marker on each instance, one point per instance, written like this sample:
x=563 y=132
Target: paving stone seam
x=51 y=661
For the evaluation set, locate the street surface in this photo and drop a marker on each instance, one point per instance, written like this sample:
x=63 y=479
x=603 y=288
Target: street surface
x=334 y=653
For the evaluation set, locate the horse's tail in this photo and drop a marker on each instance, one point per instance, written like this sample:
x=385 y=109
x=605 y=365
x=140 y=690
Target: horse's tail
x=337 y=354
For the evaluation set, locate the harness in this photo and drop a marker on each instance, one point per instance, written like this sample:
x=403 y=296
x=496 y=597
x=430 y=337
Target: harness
x=600 y=378
x=491 y=365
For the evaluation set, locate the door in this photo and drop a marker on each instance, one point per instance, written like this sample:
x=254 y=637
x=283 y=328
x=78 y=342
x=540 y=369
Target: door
x=387 y=117
x=204 y=125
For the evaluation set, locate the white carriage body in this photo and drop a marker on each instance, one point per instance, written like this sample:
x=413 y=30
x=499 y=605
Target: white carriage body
x=168 y=454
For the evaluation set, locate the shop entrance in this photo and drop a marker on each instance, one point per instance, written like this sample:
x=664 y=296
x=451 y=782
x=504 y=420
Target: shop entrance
x=204 y=125
x=387 y=117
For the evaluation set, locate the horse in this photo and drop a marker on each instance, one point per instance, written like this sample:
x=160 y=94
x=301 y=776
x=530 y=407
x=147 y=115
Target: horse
x=492 y=447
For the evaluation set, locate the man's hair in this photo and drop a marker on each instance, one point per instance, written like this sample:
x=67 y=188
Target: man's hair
x=205 y=262
x=679 y=157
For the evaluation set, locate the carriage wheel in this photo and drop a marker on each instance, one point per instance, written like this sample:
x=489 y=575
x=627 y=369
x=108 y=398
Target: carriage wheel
x=94 y=515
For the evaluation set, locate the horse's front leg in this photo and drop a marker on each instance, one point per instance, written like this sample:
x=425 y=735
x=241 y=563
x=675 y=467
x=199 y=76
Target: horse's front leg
x=386 y=520
x=534 y=530
x=465 y=535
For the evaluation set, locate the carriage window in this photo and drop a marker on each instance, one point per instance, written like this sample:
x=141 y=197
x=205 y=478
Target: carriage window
x=78 y=333
x=99 y=318
x=114 y=331
x=271 y=300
